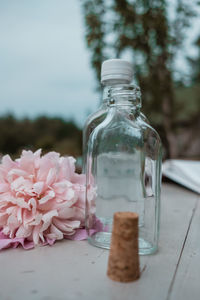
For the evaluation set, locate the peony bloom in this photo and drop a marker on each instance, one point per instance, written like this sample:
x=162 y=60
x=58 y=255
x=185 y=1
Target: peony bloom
x=41 y=197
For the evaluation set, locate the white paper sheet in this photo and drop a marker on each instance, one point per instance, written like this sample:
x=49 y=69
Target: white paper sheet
x=184 y=172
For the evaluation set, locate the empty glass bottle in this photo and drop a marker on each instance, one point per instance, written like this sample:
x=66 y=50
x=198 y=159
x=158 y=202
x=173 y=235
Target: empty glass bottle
x=123 y=171
x=113 y=72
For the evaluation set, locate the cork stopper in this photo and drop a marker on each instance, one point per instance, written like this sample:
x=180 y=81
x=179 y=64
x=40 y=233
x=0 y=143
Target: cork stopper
x=123 y=262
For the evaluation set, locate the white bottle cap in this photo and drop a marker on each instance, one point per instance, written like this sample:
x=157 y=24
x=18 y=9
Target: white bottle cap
x=116 y=69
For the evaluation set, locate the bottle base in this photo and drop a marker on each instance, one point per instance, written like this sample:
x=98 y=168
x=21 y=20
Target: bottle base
x=102 y=240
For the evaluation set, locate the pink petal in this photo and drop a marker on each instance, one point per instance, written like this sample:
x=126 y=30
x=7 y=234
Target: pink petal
x=32 y=202
x=3 y=218
x=67 y=168
x=11 y=210
x=47 y=219
x=14 y=173
x=51 y=204
x=55 y=233
x=80 y=235
x=4 y=187
x=79 y=178
x=50 y=241
x=81 y=195
x=19 y=201
x=3 y=174
x=37 y=220
x=70 y=196
x=24 y=232
x=26 y=162
x=66 y=212
x=12 y=222
x=44 y=166
x=28 y=217
x=36 y=231
x=8 y=163
x=3 y=204
x=53 y=157
x=38 y=187
x=41 y=236
x=51 y=177
x=48 y=216
x=37 y=153
x=61 y=186
x=66 y=226
x=21 y=184
x=19 y=215
x=6 y=230
x=49 y=196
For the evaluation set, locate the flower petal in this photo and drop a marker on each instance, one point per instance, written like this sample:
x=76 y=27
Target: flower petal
x=36 y=232
x=49 y=196
x=66 y=226
x=38 y=187
x=55 y=233
x=51 y=177
x=14 y=173
x=8 y=163
x=47 y=219
x=23 y=231
x=4 y=187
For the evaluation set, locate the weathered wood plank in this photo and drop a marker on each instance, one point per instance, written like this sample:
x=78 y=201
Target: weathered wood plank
x=186 y=284
x=74 y=270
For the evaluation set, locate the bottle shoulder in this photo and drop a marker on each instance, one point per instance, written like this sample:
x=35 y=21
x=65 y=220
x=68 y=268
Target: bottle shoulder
x=116 y=126
x=92 y=118
x=148 y=130
x=119 y=130
x=122 y=120
x=91 y=123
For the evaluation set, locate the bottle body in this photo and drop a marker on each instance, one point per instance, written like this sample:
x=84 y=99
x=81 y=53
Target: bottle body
x=98 y=117
x=123 y=168
x=91 y=123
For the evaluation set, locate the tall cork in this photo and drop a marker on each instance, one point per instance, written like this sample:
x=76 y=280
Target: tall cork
x=123 y=262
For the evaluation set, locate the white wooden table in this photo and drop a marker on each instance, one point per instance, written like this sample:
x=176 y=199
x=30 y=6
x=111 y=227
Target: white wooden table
x=77 y=270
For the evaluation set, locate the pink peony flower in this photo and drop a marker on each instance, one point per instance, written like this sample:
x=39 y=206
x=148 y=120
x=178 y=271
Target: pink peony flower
x=41 y=197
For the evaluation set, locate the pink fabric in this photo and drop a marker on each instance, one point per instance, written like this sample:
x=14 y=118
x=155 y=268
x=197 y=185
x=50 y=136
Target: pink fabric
x=79 y=235
x=41 y=200
x=6 y=242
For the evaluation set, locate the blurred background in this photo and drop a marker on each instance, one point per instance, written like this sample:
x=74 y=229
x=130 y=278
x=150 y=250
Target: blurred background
x=50 y=58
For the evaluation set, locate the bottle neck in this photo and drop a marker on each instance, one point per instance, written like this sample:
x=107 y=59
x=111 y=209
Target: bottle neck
x=107 y=85
x=125 y=97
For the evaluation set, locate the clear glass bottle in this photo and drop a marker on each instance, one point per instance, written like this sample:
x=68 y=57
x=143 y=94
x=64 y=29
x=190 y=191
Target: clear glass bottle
x=123 y=171
x=113 y=72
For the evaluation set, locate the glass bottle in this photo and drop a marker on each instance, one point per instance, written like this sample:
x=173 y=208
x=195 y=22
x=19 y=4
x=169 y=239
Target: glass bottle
x=113 y=72
x=123 y=171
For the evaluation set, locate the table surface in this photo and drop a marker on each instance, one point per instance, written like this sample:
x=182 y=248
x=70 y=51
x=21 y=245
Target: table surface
x=77 y=270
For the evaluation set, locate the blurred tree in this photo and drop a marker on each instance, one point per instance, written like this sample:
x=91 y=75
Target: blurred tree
x=144 y=28
x=193 y=95
x=195 y=64
x=95 y=31
x=50 y=134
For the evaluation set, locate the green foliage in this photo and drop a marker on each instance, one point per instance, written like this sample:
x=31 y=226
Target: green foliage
x=94 y=13
x=50 y=134
x=195 y=64
x=144 y=28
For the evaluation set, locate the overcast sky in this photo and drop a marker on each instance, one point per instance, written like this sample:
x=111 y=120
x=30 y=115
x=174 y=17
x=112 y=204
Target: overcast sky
x=44 y=63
